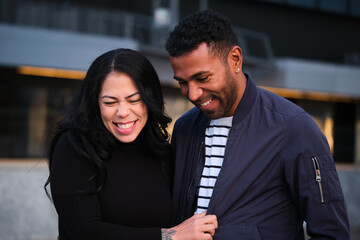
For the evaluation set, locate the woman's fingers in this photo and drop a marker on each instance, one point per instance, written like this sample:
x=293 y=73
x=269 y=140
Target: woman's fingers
x=207 y=223
x=209 y=228
x=211 y=219
x=199 y=215
x=199 y=226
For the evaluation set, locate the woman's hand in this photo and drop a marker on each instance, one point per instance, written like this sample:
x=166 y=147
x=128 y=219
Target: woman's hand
x=199 y=226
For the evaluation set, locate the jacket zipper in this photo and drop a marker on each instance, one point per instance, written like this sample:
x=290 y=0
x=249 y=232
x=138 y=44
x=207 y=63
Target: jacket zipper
x=318 y=177
x=193 y=177
x=212 y=197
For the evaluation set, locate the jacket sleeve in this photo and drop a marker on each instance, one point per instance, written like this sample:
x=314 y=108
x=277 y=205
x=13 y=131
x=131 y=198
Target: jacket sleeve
x=79 y=212
x=311 y=175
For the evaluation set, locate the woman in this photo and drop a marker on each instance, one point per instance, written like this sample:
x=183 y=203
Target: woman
x=110 y=167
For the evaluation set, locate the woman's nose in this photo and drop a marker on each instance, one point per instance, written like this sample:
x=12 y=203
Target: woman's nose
x=122 y=110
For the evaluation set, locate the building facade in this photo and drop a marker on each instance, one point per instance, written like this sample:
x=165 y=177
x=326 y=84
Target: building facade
x=307 y=51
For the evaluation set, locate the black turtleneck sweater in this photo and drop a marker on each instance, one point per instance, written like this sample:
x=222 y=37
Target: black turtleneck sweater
x=134 y=203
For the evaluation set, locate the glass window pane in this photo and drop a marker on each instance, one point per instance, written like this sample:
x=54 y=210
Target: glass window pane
x=355 y=8
x=303 y=3
x=275 y=1
x=338 y=6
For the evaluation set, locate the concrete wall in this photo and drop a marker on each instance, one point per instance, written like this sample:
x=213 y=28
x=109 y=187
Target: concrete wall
x=39 y=47
x=350 y=182
x=312 y=76
x=27 y=213
x=30 y=46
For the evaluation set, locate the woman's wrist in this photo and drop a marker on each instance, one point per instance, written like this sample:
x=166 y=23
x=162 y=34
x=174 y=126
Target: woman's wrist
x=167 y=234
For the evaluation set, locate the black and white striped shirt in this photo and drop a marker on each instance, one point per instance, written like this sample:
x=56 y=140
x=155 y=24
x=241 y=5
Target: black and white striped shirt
x=215 y=142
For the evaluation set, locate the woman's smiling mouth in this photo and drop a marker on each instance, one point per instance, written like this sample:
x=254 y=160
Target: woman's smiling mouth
x=125 y=125
x=125 y=128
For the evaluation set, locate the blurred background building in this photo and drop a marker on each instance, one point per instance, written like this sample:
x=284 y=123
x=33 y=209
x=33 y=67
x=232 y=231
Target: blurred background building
x=305 y=50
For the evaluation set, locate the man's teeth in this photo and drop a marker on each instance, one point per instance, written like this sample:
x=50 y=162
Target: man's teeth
x=206 y=103
x=125 y=126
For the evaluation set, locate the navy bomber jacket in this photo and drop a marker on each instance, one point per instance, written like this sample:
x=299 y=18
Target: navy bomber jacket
x=277 y=173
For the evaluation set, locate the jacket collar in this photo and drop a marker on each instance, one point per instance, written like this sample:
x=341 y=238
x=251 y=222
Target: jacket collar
x=242 y=109
x=246 y=101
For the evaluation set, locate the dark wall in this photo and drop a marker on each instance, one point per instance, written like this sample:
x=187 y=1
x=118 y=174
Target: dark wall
x=294 y=32
x=344 y=133
x=138 y=6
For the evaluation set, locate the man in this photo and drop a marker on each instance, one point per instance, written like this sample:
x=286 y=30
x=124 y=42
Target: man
x=255 y=160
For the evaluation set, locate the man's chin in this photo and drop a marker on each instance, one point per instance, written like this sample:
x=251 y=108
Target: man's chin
x=212 y=115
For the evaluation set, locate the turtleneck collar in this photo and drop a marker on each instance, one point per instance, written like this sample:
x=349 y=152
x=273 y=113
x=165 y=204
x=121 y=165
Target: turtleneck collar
x=139 y=141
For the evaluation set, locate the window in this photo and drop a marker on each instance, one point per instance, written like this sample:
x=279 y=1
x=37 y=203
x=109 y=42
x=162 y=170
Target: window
x=338 y=6
x=29 y=106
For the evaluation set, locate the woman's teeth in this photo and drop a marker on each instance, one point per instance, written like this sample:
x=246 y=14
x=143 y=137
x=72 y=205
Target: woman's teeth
x=125 y=126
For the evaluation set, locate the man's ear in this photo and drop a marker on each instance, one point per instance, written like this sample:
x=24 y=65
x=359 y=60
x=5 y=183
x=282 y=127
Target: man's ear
x=235 y=59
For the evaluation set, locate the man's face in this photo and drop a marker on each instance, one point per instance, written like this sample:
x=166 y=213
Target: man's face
x=207 y=82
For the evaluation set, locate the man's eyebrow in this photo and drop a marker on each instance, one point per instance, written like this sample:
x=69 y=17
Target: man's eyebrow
x=192 y=76
x=177 y=78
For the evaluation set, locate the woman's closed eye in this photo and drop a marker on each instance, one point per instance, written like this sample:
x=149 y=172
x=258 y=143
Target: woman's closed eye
x=109 y=103
x=111 y=100
x=134 y=101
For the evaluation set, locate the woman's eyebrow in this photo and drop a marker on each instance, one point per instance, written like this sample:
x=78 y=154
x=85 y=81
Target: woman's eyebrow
x=131 y=95
x=106 y=96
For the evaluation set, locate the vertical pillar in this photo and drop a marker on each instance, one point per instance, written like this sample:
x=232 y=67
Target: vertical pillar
x=357 y=138
x=37 y=122
x=174 y=11
x=203 y=5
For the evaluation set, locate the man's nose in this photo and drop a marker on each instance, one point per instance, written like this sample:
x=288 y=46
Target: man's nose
x=194 y=92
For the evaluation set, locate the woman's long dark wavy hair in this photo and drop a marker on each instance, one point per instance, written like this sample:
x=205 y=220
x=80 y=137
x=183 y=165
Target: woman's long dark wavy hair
x=82 y=122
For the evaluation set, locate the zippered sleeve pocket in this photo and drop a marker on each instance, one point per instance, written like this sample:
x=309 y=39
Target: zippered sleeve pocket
x=323 y=178
x=318 y=177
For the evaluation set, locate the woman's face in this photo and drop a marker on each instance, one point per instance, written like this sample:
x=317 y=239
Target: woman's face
x=122 y=111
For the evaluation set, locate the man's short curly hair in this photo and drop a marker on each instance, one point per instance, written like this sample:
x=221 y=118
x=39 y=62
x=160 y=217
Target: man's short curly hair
x=203 y=26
